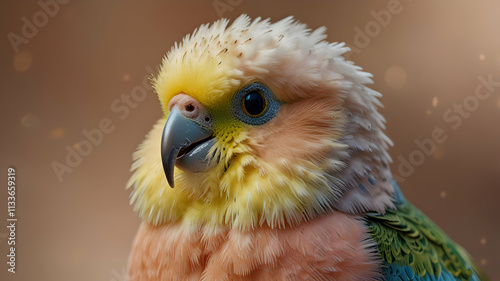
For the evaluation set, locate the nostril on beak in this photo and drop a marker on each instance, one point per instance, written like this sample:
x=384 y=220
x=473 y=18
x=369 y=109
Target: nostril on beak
x=188 y=106
x=192 y=109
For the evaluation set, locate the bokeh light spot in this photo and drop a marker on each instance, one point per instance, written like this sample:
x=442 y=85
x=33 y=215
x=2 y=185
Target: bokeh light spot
x=438 y=153
x=395 y=77
x=443 y=194
x=57 y=133
x=481 y=57
x=29 y=121
x=22 y=61
x=435 y=101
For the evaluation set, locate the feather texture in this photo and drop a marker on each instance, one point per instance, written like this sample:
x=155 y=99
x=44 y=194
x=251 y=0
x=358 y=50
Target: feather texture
x=307 y=195
x=334 y=247
x=326 y=138
x=414 y=248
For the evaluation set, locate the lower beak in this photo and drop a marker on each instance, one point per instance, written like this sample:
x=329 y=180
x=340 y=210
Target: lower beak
x=185 y=144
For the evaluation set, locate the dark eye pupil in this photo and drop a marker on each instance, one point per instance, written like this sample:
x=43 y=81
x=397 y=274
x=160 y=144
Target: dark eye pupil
x=254 y=103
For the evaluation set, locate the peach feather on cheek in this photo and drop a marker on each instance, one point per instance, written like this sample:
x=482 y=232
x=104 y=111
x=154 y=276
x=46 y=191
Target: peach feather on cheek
x=303 y=130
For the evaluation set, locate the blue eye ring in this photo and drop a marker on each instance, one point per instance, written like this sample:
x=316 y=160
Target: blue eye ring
x=255 y=104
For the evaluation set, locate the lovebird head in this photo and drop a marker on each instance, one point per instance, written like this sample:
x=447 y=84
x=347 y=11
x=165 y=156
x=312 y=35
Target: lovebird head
x=263 y=124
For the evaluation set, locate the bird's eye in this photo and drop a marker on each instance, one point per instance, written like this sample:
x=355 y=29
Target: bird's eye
x=255 y=104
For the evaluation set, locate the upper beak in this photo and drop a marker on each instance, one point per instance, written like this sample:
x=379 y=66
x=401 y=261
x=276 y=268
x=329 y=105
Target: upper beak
x=186 y=144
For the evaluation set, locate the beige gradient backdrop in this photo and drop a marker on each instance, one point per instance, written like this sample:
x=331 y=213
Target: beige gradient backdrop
x=66 y=78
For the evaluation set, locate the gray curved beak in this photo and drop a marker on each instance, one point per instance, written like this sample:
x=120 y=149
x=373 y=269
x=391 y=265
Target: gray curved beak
x=185 y=144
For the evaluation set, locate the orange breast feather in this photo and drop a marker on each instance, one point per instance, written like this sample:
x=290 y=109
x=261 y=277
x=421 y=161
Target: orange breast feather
x=333 y=247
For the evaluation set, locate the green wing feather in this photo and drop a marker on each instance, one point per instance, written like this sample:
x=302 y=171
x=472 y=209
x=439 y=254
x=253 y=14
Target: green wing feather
x=406 y=237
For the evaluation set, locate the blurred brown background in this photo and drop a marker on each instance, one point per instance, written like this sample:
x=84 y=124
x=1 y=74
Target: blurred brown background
x=73 y=70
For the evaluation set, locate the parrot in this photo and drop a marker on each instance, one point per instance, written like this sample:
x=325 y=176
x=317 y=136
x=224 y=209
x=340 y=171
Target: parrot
x=270 y=162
